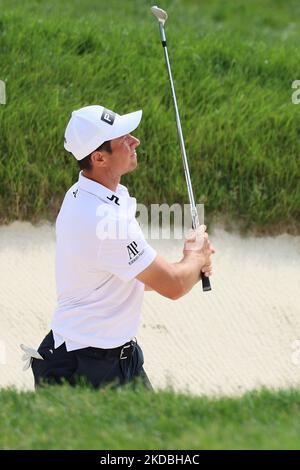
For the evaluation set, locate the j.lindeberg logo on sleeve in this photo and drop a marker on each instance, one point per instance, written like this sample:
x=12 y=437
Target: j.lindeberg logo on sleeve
x=133 y=252
x=108 y=116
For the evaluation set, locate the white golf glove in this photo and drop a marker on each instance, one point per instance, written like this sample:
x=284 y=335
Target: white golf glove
x=29 y=354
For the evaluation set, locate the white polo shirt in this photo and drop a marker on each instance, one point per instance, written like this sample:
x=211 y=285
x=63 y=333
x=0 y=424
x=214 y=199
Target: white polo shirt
x=100 y=250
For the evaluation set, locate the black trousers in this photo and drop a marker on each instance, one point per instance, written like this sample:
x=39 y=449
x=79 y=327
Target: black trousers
x=94 y=366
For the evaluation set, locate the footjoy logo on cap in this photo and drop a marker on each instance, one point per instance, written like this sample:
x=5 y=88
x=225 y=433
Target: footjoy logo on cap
x=108 y=116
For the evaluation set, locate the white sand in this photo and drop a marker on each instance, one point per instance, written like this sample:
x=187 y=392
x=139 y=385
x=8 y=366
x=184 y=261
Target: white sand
x=243 y=335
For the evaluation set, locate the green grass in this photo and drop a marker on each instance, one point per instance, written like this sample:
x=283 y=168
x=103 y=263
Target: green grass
x=80 y=418
x=233 y=64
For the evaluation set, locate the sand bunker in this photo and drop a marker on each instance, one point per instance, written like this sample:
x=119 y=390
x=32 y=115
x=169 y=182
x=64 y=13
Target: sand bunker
x=243 y=335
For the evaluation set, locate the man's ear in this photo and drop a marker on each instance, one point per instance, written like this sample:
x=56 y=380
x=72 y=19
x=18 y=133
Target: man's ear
x=98 y=158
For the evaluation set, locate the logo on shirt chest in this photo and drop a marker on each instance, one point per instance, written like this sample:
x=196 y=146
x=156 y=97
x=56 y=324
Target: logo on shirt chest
x=114 y=198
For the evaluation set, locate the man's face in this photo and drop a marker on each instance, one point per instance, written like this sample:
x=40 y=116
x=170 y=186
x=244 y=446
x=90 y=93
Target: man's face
x=123 y=158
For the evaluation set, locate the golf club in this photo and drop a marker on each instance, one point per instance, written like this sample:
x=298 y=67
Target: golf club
x=162 y=17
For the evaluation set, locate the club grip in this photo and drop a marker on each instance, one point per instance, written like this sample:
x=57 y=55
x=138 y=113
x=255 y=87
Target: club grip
x=205 y=280
x=205 y=283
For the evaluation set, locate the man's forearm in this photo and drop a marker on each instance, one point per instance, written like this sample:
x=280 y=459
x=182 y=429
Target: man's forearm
x=189 y=270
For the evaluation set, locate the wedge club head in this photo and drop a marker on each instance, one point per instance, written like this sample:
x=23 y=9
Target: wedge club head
x=160 y=14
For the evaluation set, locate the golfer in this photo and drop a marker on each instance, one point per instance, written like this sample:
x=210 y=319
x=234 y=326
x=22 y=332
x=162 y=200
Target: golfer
x=103 y=262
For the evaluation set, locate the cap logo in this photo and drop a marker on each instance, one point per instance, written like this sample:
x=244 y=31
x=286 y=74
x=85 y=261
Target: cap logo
x=108 y=116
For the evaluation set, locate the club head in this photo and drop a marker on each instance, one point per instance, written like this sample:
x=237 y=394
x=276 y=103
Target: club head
x=160 y=14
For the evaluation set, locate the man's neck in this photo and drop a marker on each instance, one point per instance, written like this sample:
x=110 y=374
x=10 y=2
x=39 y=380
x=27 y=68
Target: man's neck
x=112 y=184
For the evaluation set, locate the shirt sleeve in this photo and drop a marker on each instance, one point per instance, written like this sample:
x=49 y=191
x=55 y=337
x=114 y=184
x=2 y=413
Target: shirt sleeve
x=126 y=256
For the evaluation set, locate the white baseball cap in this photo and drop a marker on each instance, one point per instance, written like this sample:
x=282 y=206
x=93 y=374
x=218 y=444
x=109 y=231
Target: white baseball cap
x=91 y=126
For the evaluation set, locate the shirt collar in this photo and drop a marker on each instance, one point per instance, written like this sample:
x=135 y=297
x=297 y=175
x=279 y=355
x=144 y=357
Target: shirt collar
x=116 y=198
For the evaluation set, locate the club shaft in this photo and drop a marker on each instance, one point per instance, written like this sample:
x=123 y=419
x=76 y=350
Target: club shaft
x=194 y=213
x=195 y=218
